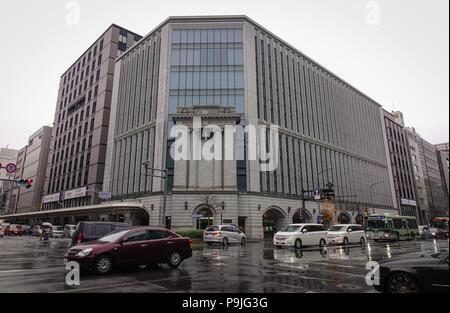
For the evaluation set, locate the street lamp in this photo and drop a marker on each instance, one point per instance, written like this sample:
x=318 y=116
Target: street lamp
x=370 y=191
x=163 y=175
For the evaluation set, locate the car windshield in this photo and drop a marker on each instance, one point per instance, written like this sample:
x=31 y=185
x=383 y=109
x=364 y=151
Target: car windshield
x=111 y=237
x=213 y=228
x=337 y=228
x=57 y=228
x=291 y=229
x=376 y=224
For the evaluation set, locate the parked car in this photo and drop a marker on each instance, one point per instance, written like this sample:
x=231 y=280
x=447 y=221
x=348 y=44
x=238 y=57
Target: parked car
x=346 y=233
x=424 y=232
x=57 y=232
x=90 y=231
x=136 y=246
x=69 y=230
x=223 y=234
x=26 y=230
x=299 y=235
x=427 y=273
x=36 y=231
x=13 y=230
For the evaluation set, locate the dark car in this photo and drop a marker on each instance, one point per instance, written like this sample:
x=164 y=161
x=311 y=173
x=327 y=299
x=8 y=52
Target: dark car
x=90 y=231
x=136 y=246
x=414 y=275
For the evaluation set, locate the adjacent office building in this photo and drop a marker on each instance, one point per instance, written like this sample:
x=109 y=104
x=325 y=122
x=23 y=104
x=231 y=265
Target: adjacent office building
x=15 y=190
x=76 y=160
x=32 y=164
x=399 y=162
x=443 y=158
x=229 y=70
x=7 y=156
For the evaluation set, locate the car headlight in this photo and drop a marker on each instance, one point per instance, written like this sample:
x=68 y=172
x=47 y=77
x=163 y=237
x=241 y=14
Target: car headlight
x=85 y=252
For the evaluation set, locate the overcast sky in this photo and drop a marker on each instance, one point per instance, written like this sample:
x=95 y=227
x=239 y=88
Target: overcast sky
x=395 y=51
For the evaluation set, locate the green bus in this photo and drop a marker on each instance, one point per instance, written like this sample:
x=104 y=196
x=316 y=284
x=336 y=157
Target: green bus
x=391 y=227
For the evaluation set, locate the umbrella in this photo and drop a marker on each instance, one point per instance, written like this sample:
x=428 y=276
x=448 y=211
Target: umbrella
x=47 y=224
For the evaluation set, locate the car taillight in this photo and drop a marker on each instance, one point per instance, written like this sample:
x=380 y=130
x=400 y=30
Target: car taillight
x=190 y=242
x=217 y=233
x=80 y=237
x=204 y=234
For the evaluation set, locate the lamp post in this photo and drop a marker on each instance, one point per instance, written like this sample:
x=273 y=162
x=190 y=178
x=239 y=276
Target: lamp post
x=162 y=175
x=370 y=191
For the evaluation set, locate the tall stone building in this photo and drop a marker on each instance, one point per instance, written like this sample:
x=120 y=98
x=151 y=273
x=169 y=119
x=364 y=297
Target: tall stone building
x=229 y=70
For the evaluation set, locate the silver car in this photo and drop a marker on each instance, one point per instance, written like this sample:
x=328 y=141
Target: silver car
x=69 y=230
x=424 y=232
x=223 y=234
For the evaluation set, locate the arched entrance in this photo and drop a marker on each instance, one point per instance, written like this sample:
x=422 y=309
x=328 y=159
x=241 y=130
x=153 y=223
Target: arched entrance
x=204 y=216
x=301 y=216
x=273 y=221
x=344 y=218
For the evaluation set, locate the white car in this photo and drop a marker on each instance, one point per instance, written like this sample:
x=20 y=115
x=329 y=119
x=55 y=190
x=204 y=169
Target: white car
x=299 y=235
x=57 y=232
x=69 y=230
x=346 y=233
x=223 y=234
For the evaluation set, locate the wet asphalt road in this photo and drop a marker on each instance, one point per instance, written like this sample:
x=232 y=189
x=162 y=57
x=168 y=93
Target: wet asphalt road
x=27 y=265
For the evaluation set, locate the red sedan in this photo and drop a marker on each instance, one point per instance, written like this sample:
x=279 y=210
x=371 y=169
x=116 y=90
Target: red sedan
x=13 y=230
x=136 y=246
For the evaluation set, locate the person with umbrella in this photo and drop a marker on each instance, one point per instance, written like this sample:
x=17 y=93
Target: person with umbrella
x=46 y=229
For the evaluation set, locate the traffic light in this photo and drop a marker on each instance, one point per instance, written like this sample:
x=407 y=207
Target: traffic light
x=25 y=182
x=328 y=194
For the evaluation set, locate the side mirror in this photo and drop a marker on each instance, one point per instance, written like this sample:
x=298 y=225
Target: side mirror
x=121 y=241
x=349 y=230
x=304 y=231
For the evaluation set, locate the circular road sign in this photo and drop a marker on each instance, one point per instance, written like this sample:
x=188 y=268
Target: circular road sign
x=11 y=168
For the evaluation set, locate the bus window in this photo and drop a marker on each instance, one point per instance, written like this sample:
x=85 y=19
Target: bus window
x=412 y=223
x=397 y=223
x=404 y=224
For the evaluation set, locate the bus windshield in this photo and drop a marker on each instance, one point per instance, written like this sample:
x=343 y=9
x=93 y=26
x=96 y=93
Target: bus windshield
x=376 y=224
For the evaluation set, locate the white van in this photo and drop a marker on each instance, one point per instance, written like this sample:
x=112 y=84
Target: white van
x=299 y=235
x=346 y=233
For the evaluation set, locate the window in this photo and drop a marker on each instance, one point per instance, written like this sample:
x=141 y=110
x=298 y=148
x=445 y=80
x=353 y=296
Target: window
x=140 y=235
x=157 y=234
x=397 y=223
x=412 y=223
x=102 y=229
x=122 y=39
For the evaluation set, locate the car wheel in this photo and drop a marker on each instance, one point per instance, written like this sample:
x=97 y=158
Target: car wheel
x=362 y=240
x=298 y=244
x=243 y=241
x=174 y=259
x=402 y=283
x=103 y=265
x=412 y=236
x=225 y=241
x=322 y=243
x=345 y=242
x=209 y=243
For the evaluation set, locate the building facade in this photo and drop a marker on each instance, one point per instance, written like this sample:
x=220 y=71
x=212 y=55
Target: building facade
x=230 y=70
x=14 y=195
x=400 y=164
x=33 y=165
x=7 y=156
x=76 y=159
x=434 y=184
x=443 y=158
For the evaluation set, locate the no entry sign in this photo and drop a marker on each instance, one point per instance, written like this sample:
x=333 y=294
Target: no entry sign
x=11 y=168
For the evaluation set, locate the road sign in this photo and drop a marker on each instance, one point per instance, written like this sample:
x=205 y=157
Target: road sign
x=11 y=168
x=197 y=217
x=104 y=195
x=319 y=218
x=317 y=194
